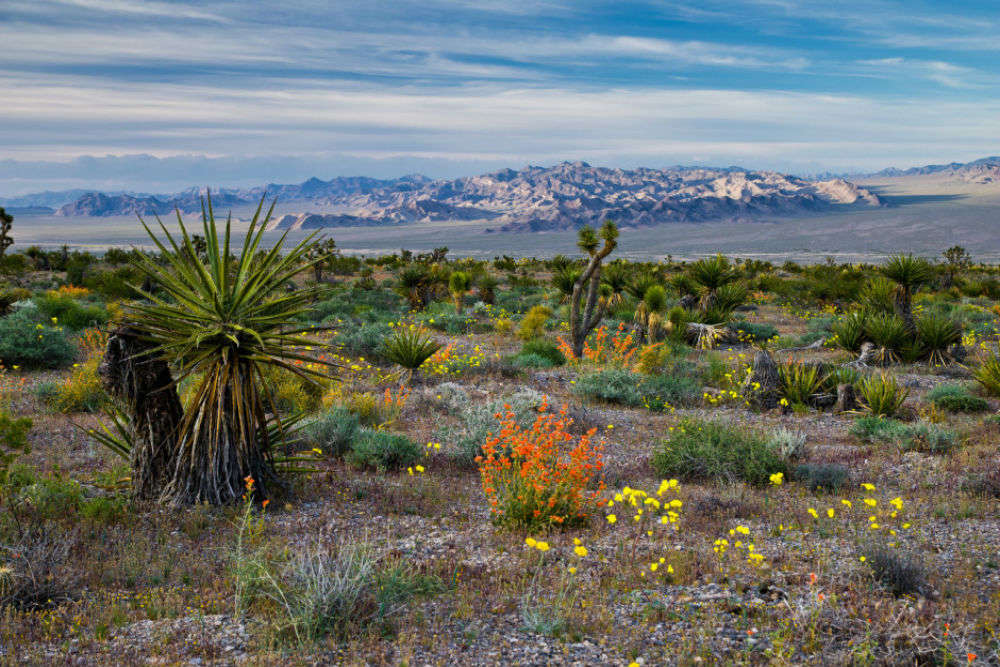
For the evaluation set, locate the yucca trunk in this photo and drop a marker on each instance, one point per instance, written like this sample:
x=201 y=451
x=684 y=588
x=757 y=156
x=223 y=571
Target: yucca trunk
x=142 y=381
x=225 y=439
x=903 y=304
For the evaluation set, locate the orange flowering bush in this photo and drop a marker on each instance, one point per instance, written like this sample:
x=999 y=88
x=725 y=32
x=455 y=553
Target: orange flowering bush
x=533 y=478
x=600 y=349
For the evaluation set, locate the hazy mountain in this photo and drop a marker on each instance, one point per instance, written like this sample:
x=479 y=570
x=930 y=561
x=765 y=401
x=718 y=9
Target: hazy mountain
x=983 y=171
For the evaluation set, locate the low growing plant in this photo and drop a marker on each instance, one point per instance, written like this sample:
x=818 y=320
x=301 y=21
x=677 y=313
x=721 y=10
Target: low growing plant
x=708 y=450
x=956 y=398
x=383 y=450
x=882 y=394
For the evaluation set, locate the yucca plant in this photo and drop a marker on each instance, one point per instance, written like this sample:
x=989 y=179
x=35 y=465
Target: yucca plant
x=414 y=284
x=877 y=296
x=882 y=394
x=909 y=273
x=841 y=375
x=409 y=347
x=935 y=335
x=637 y=285
x=988 y=375
x=458 y=285
x=849 y=331
x=712 y=272
x=800 y=381
x=889 y=333
x=649 y=312
x=224 y=320
x=564 y=279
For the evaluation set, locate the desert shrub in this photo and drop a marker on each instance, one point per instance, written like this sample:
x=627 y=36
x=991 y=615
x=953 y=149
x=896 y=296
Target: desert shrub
x=829 y=477
x=897 y=570
x=789 y=444
x=33 y=572
x=373 y=409
x=627 y=388
x=81 y=391
x=799 y=381
x=333 y=431
x=11 y=295
x=69 y=312
x=533 y=324
x=531 y=361
x=533 y=479
x=13 y=444
x=24 y=342
x=290 y=393
x=546 y=349
x=882 y=394
x=383 y=450
x=754 y=331
x=478 y=421
x=987 y=374
x=921 y=437
x=956 y=398
x=707 y=450
x=409 y=347
x=849 y=331
x=364 y=340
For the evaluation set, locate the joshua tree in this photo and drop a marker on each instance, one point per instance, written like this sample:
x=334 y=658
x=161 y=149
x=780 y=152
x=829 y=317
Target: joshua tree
x=649 y=313
x=414 y=284
x=585 y=316
x=909 y=273
x=6 y=221
x=322 y=251
x=956 y=259
x=487 y=285
x=458 y=285
x=223 y=322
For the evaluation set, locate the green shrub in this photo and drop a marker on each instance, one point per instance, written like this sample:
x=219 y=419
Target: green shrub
x=887 y=331
x=882 y=395
x=754 y=331
x=409 y=347
x=24 y=342
x=69 y=312
x=364 y=340
x=841 y=375
x=956 y=398
x=877 y=296
x=13 y=444
x=632 y=389
x=333 y=432
x=706 y=450
x=533 y=323
x=829 y=477
x=383 y=450
x=921 y=437
x=544 y=348
x=478 y=420
x=523 y=360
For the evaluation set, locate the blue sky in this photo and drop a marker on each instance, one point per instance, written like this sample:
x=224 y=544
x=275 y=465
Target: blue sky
x=245 y=92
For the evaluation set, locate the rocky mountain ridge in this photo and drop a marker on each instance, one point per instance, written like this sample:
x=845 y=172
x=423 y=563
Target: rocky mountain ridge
x=563 y=196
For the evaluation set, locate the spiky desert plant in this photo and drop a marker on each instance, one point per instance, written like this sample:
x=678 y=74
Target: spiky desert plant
x=564 y=279
x=883 y=396
x=799 y=381
x=223 y=322
x=849 y=331
x=649 y=313
x=637 y=285
x=615 y=278
x=888 y=331
x=877 y=295
x=712 y=272
x=414 y=283
x=409 y=347
x=458 y=285
x=935 y=335
x=584 y=316
x=988 y=375
x=487 y=285
x=909 y=273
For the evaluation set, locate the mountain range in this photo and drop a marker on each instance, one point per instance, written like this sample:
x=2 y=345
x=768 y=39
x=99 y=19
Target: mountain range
x=566 y=195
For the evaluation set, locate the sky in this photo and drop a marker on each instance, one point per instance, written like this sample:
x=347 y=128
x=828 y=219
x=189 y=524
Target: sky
x=157 y=95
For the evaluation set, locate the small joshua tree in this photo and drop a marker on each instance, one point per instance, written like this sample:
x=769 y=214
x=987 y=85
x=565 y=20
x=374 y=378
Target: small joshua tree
x=6 y=221
x=909 y=273
x=957 y=259
x=585 y=316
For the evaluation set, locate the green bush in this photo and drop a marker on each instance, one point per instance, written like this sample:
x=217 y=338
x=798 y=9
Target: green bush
x=69 y=312
x=935 y=335
x=829 y=477
x=82 y=391
x=544 y=348
x=633 y=389
x=849 y=331
x=25 y=342
x=755 y=331
x=13 y=443
x=956 y=398
x=706 y=450
x=364 y=340
x=333 y=432
x=920 y=437
x=478 y=420
x=523 y=360
x=409 y=347
x=383 y=450
x=799 y=381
